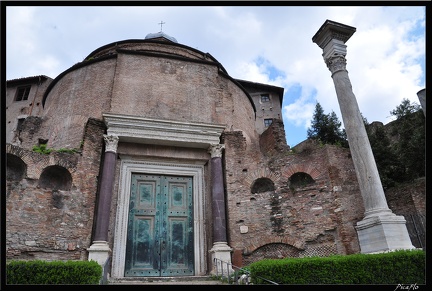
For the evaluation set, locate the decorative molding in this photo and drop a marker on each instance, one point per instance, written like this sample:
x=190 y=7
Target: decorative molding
x=164 y=132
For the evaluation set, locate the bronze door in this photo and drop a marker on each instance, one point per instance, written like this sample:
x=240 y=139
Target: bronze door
x=160 y=226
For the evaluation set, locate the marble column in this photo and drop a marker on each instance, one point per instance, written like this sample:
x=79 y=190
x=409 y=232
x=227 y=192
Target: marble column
x=380 y=230
x=99 y=251
x=220 y=250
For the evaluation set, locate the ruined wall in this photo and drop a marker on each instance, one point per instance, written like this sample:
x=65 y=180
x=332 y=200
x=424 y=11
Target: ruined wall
x=294 y=217
x=50 y=207
x=409 y=200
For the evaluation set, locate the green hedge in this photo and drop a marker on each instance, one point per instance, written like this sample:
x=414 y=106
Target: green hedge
x=53 y=272
x=399 y=267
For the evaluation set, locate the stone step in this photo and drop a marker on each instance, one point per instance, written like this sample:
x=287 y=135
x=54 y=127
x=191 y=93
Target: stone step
x=187 y=280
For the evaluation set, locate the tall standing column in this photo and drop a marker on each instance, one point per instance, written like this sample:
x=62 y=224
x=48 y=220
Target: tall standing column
x=220 y=250
x=380 y=230
x=99 y=250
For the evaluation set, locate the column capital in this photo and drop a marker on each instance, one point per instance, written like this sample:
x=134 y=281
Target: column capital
x=331 y=37
x=336 y=63
x=216 y=150
x=111 y=142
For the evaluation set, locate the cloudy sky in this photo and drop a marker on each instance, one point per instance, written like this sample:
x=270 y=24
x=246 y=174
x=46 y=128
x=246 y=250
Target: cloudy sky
x=272 y=44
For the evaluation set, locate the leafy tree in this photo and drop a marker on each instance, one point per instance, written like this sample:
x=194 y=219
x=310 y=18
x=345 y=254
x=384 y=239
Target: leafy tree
x=400 y=154
x=411 y=137
x=326 y=128
x=389 y=167
x=405 y=108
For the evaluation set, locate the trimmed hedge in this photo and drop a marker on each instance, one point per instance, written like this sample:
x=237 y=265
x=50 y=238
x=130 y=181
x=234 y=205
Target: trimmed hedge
x=53 y=272
x=398 y=267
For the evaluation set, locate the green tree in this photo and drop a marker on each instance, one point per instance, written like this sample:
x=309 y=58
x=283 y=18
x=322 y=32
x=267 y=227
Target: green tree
x=400 y=154
x=410 y=134
x=405 y=108
x=389 y=167
x=326 y=128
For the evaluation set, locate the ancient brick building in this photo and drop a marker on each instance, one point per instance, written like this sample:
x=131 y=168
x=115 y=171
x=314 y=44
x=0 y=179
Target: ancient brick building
x=162 y=162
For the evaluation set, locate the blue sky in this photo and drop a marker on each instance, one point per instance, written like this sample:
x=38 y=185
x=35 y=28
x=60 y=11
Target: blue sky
x=271 y=44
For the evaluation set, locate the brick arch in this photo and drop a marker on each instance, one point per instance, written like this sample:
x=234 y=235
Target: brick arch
x=55 y=177
x=307 y=168
x=260 y=173
x=16 y=168
x=272 y=251
x=261 y=185
x=36 y=162
x=255 y=244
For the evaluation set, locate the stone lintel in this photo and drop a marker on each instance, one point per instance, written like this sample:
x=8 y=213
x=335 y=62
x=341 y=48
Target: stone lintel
x=163 y=132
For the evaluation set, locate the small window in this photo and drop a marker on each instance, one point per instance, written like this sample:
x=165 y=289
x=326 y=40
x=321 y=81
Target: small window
x=267 y=122
x=22 y=93
x=20 y=124
x=265 y=98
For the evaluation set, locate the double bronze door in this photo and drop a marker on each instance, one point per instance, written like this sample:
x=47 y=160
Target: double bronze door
x=160 y=226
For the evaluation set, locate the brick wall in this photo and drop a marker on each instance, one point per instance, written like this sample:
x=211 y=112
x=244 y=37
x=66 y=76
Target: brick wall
x=50 y=224
x=313 y=219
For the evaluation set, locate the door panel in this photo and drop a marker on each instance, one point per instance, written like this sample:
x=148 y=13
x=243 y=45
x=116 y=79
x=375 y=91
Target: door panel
x=160 y=226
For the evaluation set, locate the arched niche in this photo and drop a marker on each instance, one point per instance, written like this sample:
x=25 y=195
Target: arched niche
x=56 y=178
x=16 y=169
x=301 y=179
x=261 y=185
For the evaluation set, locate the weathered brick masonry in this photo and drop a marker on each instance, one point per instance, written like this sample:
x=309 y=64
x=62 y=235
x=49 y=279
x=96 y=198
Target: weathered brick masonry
x=291 y=220
x=54 y=224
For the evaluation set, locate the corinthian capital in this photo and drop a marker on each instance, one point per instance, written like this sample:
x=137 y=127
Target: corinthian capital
x=111 y=142
x=336 y=63
x=216 y=150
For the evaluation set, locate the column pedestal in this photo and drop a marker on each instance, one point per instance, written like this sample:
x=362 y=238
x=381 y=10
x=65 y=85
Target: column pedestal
x=222 y=252
x=383 y=233
x=99 y=251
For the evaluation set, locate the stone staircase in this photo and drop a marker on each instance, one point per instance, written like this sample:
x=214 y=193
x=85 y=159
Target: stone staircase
x=187 y=280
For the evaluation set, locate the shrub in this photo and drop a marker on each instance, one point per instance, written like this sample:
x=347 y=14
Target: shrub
x=54 y=272
x=398 y=267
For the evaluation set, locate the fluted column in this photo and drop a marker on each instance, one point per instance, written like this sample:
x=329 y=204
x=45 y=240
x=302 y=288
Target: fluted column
x=380 y=230
x=221 y=252
x=99 y=250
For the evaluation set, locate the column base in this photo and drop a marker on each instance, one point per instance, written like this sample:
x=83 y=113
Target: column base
x=222 y=266
x=99 y=251
x=383 y=233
